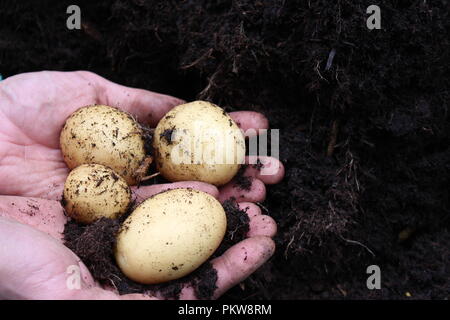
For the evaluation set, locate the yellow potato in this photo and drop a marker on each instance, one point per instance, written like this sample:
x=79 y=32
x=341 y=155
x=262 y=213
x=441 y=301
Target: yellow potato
x=105 y=135
x=198 y=141
x=170 y=235
x=93 y=191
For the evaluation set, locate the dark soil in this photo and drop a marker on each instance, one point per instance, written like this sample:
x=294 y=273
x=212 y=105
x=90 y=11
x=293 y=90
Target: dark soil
x=242 y=181
x=363 y=116
x=95 y=243
x=167 y=135
x=237 y=225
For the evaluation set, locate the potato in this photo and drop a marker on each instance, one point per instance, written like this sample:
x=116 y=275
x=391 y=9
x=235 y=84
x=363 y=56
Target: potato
x=198 y=141
x=105 y=135
x=92 y=191
x=170 y=235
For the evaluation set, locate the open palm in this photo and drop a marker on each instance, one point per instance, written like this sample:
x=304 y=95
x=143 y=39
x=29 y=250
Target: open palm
x=33 y=109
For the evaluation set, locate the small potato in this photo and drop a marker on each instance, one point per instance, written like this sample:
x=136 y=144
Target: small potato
x=105 y=135
x=170 y=235
x=93 y=191
x=198 y=141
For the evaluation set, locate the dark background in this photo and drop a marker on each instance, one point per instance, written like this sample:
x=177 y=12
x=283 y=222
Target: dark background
x=365 y=141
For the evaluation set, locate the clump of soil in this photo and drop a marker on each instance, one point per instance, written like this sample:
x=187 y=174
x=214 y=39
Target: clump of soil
x=237 y=225
x=242 y=181
x=167 y=135
x=95 y=243
x=148 y=139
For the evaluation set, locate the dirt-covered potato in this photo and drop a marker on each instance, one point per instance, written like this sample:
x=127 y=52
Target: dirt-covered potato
x=170 y=235
x=105 y=135
x=92 y=191
x=198 y=141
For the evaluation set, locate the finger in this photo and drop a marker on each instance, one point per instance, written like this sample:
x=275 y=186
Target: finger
x=267 y=169
x=240 y=261
x=250 y=122
x=143 y=192
x=236 y=264
x=259 y=225
x=250 y=208
x=147 y=106
x=256 y=192
x=262 y=225
x=41 y=214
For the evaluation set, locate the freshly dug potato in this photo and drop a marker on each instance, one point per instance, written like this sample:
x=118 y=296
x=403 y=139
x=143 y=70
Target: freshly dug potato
x=198 y=141
x=170 y=235
x=93 y=191
x=105 y=135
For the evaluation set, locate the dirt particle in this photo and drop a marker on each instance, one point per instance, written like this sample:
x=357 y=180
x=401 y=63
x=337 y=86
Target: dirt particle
x=258 y=165
x=167 y=135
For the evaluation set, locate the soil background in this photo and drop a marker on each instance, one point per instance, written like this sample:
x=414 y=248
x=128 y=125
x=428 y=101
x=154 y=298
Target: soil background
x=363 y=115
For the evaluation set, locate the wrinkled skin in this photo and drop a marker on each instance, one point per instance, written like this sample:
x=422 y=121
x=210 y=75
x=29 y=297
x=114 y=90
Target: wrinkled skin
x=33 y=260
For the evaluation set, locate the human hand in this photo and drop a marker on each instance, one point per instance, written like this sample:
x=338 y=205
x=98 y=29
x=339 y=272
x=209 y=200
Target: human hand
x=35 y=265
x=33 y=109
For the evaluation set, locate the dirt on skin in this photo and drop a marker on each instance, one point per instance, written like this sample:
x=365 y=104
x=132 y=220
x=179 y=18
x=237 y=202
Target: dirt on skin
x=95 y=243
x=363 y=116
